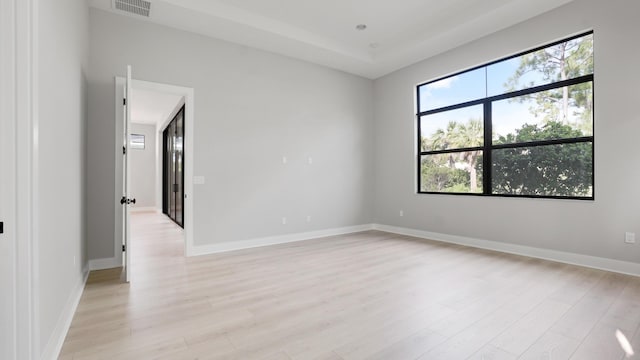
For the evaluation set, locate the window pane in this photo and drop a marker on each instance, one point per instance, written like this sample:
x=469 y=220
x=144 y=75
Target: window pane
x=454 y=173
x=460 y=128
x=561 y=113
x=552 y=170
x=456 y=89
x=567 y=60
x=136 y=141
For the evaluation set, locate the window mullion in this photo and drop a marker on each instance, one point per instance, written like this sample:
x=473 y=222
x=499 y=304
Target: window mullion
x=486 y=153
x=419 y=135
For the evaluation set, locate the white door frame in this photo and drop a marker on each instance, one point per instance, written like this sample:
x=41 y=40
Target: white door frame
x=19 y=99
x=188 y=94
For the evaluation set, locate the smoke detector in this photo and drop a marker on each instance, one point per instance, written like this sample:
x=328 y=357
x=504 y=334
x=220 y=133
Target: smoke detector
x=136 y=7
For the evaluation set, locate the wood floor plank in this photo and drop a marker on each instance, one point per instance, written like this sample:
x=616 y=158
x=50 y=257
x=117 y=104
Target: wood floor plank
x=601 y=343
x=519 y=337
x=551 y=345
x=410 y=347
x=582 y=317
x=635 y=346
x=491 y=352
x=369 y=295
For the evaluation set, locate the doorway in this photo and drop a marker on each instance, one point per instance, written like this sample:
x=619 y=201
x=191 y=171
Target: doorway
x=150 y=136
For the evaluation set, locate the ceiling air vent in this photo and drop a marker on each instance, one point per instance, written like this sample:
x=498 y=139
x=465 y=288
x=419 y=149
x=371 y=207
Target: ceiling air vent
x=137 y=7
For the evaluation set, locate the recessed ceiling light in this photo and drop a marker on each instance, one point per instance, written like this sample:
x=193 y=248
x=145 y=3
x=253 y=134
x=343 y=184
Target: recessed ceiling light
x=361 y=27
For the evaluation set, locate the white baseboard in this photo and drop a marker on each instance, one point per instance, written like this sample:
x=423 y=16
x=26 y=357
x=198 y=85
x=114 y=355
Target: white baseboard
x=623 y=267
x=273 y=240
x=101 y=264
x=54 y=345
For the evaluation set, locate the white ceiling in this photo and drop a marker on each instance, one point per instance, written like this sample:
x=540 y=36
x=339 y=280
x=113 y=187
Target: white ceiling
x=152 y=108
x=399 y=32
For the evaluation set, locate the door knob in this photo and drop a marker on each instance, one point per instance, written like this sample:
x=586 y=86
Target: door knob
x=127 y=201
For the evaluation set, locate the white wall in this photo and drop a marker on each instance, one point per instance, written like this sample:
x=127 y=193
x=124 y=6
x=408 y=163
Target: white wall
x=143 y=167
x=8 y=181
x=62 y=112
x=251 y=109
x=585 y=227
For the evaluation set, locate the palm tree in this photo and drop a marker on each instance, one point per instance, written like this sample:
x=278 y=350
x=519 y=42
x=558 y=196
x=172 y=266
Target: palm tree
x=470 y=135
x=458 y=135
x=442 y=139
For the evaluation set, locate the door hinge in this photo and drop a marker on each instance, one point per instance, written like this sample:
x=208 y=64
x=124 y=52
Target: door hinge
x=124 y=150
x=124 y=101
x=124 y=248
x=1 y=227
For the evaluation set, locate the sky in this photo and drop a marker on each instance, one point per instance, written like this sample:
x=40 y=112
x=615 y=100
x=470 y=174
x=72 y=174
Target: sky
x=476 y=84
x=472 y=86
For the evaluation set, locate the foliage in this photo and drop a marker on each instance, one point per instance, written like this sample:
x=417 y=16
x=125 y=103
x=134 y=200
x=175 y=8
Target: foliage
x=564 y=61
x=551 y=170
x=439 y=176
x=455 y=136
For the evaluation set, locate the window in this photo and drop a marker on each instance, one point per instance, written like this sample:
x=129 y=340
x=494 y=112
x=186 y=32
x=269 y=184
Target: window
x=136 y=141
x=521 y=126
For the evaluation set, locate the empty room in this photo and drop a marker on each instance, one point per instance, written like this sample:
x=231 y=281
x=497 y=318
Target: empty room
x=280 y=179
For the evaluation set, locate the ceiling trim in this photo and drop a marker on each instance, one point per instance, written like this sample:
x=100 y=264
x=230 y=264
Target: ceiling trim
x=233 y=24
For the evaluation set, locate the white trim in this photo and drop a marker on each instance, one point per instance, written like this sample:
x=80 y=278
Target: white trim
x=274 y=240
x=623 y=267
x=144 y=209
x=158 y=164
x=107 y=263
x=119 y=84
x=54 y=346
x=26 y=216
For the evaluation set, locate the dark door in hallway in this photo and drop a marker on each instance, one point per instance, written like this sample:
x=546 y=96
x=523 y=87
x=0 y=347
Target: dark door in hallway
x=173 y=169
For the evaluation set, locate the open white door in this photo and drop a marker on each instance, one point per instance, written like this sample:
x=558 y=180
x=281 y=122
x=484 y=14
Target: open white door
x=126 y=200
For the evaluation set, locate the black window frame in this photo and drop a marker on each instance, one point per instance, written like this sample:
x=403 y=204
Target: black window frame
x=488 y=145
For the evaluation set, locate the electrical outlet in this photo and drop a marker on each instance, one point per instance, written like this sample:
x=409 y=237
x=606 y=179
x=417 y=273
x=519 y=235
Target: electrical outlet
x=284 y=159
x=310 y=160
x=401 y=212
x=284 y=221
x=630 y=238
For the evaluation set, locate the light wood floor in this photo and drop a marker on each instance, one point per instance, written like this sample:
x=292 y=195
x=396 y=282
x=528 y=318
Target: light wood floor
x=369 y=295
